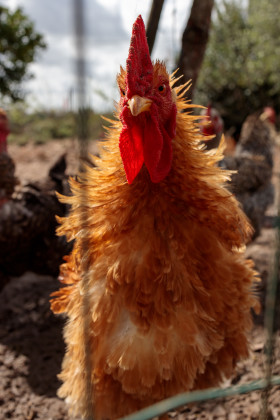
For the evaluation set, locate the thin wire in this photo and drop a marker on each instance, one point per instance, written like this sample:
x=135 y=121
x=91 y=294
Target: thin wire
x=82 y=125
x=198 y=396
x=270 y=311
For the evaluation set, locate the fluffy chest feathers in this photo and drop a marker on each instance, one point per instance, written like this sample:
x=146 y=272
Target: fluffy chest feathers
x=169 y=295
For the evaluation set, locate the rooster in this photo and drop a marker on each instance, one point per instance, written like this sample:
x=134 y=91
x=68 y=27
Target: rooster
x=157 y=290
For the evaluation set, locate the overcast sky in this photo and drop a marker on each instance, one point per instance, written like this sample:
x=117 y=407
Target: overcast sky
x=108 y=24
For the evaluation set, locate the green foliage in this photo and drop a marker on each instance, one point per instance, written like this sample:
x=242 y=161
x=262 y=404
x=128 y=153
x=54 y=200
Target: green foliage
x=240 y=70
x=40 y=127
x=19 y=43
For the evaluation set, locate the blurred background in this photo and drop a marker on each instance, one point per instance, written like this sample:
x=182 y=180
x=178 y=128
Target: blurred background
x=230 y=49
x=237 y=71
x=108 y=29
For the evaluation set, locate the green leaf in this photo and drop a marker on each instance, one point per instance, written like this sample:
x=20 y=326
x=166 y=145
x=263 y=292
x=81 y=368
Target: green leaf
x=240 y=70
x=19 y=45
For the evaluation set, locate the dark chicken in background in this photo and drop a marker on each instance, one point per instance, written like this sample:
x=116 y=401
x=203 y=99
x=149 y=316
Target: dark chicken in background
x=253 y=163
x=28 y=241
x=251 y=158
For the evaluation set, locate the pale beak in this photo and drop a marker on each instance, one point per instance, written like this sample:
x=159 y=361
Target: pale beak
x=138 y=104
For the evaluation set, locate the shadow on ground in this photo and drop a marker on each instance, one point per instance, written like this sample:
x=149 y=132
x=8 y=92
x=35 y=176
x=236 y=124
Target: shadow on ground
x=29 y=328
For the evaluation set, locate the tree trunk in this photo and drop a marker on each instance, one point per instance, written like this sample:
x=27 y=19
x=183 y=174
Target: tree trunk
x=153 y=22
x=194 y=42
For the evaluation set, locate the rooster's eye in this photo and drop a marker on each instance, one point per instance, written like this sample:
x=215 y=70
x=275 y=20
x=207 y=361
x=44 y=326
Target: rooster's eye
x=162 y=88
x=122 y=92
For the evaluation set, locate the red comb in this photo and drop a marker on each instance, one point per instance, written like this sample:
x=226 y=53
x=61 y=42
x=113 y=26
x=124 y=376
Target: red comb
x=139 y=66
x=208 y=112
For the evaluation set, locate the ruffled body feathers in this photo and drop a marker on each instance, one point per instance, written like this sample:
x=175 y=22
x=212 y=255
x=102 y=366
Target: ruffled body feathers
x=169 y=291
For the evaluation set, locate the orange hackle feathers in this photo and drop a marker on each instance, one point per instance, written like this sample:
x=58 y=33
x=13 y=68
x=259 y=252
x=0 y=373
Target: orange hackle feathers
x=169 y=290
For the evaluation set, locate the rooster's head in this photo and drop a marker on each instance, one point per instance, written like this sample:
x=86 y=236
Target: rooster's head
x=147 y=111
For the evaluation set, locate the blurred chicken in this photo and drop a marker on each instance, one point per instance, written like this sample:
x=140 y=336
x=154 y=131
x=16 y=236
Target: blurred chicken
x=253 y=161
x=269 y=115
x=212 y=125
x=27 y=217
x=251 y=157
x=157 y=290
x=28 y=224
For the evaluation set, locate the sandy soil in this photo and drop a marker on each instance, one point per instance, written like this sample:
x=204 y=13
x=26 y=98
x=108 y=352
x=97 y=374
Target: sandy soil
x=34 y=161
x=31 y=344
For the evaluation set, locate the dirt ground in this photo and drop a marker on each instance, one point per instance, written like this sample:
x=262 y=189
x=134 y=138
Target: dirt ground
x=31 y=344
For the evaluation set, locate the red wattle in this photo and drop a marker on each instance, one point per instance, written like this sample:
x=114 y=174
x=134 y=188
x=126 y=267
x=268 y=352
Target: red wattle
x=131 y=148
x=146 y=140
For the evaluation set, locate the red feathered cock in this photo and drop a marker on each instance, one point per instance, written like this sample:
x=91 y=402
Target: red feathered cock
x=165 y=307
